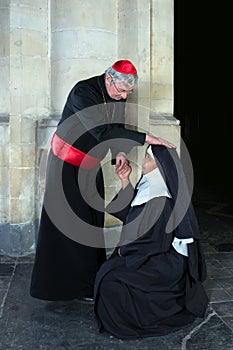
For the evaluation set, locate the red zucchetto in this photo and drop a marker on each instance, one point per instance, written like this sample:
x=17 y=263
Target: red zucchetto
x=125 y=67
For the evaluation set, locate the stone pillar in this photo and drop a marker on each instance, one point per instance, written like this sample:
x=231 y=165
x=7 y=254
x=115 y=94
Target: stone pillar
x=134 y=44
x=27 y=92
x=4 y=181
x=45 y=130
x=83 y=43
x=4 y=120
x=167 y=127
x=162 y=57
x=22 y=149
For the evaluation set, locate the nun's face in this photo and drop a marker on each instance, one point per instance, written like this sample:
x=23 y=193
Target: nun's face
x=148 y=164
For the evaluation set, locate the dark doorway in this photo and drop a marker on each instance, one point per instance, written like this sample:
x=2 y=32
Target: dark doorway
x=203 y=100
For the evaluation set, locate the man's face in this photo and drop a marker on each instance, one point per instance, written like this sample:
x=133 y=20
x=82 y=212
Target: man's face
x=117 y=91
x=148 y=164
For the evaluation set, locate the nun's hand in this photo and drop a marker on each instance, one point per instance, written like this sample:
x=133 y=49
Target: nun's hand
x=124 y=173
x=154 y=140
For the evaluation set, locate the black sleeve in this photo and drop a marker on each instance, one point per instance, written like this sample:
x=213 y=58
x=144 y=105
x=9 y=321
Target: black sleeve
x=120 y=205
x=122 y=139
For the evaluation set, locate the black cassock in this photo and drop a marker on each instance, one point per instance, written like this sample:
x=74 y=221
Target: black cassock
x=151 y=289
x=70 y=245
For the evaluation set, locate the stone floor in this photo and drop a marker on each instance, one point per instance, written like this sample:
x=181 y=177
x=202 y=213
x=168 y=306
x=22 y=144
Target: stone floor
x=31 y=324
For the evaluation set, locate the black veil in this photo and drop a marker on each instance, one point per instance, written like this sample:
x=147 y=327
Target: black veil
x=183 y=218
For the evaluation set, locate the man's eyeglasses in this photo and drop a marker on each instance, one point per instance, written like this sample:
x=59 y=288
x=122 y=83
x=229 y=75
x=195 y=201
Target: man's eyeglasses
x=120 y=91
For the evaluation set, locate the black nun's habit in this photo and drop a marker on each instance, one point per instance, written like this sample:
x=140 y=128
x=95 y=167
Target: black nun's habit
x=154 y=286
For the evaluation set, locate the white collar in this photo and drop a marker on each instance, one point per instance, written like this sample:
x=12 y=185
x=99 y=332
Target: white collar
x=150 y=186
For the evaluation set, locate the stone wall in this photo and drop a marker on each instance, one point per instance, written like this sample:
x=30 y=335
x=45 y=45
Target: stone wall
x=26 y=91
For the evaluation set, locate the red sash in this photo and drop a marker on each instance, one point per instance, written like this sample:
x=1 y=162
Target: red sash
x=72 y=155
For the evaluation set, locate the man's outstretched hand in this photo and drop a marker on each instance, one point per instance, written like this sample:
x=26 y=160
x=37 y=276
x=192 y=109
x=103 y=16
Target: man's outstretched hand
x=154 y=140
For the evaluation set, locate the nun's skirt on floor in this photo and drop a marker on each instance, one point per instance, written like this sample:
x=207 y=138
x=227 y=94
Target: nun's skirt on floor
x=148 y=301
